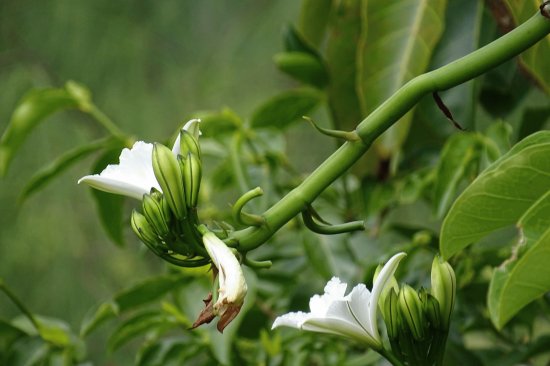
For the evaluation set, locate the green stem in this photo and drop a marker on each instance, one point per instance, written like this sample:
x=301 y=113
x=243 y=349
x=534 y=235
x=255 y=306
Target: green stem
x=448 y=76
x=19 y=305
x=109 y=125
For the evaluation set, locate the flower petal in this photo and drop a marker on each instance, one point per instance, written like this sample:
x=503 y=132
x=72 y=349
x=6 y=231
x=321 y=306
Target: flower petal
x=334 y=290
x=339 y=327
x=132 y=177
x=293 y=320
x=193 y=127
x=359 y=301
x=381 y=282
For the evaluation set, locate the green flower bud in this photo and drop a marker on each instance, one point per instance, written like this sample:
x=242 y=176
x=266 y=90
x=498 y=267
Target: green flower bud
x=410 y=308
x=189 y=144
x=155 y=214
x=444 y=289
x=392 y=285
x=192 y=174
x=390 y=313
x=143 y=229
x=169 y=177
x=431 y=310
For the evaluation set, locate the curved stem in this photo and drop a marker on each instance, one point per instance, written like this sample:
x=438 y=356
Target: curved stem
x=19 y=305
x=453 y=74
x=109 y=125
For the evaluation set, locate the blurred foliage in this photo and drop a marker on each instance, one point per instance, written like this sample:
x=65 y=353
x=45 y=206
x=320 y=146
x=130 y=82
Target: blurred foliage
x=152 y=65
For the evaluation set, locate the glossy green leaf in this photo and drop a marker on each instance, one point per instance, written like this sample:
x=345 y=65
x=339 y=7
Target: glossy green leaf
x=343 y=34
x=286 y=108
x=303 y=67
x=458 y=154
x=314 y=15
x=500 y=195
x=56 y=167
x=110 y=207
x=132 y=298
x=535 y=59
x=526 y=275
x=144 y=322
x=33 y=108
x=397 y=46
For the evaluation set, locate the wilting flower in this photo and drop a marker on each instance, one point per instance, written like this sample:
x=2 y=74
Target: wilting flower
x=353 y=315
x=133 y=176
x=232 y=285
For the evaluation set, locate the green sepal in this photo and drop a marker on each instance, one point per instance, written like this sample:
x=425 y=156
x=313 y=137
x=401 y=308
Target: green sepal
x=143 y=229
x=189 y=144
x=411 y=311
x=443 y=288
x=168 y=174
x=192 y=174
x=156 y=215
x=390 y=313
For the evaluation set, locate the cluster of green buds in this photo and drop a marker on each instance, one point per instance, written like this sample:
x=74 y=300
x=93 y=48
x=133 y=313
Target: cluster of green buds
x=168 y=222
x=418 y=322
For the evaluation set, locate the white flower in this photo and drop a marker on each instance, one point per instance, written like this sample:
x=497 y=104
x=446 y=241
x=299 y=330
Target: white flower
x=353 y=315
x=232 y=285
x=133 y=176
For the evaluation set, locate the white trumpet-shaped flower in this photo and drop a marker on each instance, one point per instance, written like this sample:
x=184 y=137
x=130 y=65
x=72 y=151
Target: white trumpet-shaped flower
x=133 y=176
x=353 y=315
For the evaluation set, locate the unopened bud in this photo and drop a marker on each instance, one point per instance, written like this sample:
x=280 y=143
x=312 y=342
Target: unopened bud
x=169 y=177
x=444 y=289
x=392 y=285
x=411 y=311
x=143 y=229
x=432 y=312
x=192 y=174
x=155 y=214
x=390 y=313
x=189 y=144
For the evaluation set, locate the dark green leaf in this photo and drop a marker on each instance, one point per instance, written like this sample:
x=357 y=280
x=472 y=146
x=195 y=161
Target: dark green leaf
x=500 y=195
x=318 y=254
x=132 y=298
x=396 y=46
x=110 y=207
x=526 y=275
x=313 y=21
x=56 y=167
x=343 y=36
x=138 y=325
x=33 y=108
x=9 y=334
x=303 y=67
x=103 y=313
x=458 y=154
x=286 y=108
x=218 y=123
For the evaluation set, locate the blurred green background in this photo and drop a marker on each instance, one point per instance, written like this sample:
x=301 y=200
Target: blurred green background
x=149 y=65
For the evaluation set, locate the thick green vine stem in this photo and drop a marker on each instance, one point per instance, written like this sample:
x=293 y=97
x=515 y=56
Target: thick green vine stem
x=448 y=76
